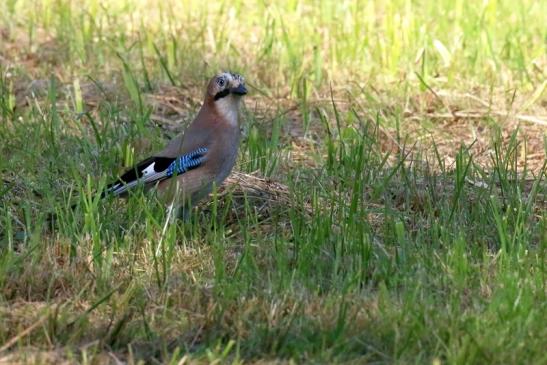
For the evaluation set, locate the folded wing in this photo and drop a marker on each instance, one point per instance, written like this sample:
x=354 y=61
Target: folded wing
x=156 y=169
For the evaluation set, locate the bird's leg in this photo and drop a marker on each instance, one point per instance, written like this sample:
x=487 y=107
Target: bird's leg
x=171 y=212
x=184 y=212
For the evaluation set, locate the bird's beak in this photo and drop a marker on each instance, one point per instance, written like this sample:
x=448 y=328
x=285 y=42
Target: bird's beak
x=240 y=90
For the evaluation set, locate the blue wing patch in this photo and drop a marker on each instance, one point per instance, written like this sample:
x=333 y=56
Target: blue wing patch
x=186 y=162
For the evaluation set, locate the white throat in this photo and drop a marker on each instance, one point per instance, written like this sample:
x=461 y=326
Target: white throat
x=228 y=108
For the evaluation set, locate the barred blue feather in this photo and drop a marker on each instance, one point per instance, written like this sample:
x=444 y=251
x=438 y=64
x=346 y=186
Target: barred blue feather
x=186 y=162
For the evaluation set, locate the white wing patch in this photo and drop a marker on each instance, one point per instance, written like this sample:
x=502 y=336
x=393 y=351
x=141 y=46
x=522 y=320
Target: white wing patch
x=149 y=170
x=149 y=174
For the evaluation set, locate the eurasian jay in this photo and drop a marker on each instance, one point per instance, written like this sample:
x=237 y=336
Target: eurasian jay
x=199 y=158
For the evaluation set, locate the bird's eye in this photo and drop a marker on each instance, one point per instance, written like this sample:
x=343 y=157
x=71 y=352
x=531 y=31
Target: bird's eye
x=221 y=82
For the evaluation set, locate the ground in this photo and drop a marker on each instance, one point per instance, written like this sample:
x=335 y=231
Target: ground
x=388 y=204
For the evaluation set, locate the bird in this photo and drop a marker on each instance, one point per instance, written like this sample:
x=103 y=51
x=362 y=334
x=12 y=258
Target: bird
x=199 y=158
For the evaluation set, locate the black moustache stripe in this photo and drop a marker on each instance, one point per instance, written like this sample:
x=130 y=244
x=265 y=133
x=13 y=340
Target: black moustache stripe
x=222 y=94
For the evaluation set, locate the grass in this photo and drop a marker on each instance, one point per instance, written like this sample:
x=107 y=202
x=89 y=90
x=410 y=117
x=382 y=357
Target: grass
x=388 y=206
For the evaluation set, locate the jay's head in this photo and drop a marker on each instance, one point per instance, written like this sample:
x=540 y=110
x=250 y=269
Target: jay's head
x=226 y=87
x=224 y=93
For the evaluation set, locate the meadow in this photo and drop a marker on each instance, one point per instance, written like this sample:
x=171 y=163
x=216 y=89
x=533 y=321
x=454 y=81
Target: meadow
x=388 y=204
